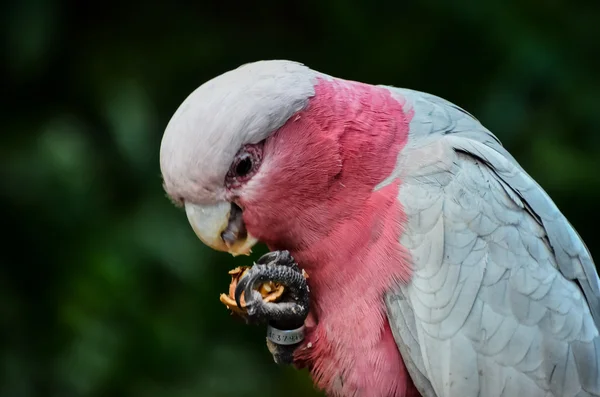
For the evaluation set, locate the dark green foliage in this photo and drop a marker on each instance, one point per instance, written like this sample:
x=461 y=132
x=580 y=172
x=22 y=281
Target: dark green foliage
x=104 y=289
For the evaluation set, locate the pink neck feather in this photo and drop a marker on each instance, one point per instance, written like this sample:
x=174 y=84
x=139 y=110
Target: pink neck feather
x=319 y=189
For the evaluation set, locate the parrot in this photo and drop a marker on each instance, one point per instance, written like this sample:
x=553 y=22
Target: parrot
x=437 y=266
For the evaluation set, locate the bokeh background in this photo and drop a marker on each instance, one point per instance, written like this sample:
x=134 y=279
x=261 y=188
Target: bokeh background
x=104 y=289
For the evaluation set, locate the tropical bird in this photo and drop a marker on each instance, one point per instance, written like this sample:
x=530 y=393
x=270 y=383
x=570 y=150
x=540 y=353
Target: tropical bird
x=437 y=266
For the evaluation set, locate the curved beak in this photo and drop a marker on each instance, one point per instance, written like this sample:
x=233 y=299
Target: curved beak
x=221 y=227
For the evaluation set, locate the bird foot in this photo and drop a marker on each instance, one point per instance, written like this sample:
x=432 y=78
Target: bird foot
x=291 y=310
x=285 y=318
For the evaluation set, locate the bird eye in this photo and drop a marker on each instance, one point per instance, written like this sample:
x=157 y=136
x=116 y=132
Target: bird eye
x=244 y=166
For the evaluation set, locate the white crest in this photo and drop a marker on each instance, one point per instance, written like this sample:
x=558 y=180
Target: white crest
x=242 y=106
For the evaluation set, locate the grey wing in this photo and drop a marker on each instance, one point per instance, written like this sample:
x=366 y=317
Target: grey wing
x=503 y=289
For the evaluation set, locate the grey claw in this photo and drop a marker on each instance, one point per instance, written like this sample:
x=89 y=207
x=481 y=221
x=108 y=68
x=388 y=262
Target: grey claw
x=268 y=257
x=281 y=258
x=278 y=267
x=240 y=288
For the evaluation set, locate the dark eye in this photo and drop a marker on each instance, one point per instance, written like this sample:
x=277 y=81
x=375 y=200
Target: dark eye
x=244 y=166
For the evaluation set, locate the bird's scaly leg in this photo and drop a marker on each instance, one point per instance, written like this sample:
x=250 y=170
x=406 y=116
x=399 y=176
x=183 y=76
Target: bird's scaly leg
x=285 y=317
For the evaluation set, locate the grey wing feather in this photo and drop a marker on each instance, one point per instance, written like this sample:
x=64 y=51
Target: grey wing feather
x=405 y=329
x=504 y=298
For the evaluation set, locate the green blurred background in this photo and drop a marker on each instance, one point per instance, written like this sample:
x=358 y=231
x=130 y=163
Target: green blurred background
x=104 y=289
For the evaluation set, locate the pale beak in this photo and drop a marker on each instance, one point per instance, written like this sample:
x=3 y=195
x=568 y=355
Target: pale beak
x=221 y=227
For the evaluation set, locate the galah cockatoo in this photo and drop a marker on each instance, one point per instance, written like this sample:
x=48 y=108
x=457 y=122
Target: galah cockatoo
x=437 y=266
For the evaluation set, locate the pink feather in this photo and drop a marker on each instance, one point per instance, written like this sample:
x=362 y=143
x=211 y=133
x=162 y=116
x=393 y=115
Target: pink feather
x=316 y=197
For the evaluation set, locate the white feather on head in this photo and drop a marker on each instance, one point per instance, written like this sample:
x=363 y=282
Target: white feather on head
x=242 y=106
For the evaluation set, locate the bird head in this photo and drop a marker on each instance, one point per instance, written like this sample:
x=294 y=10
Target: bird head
x=276 y=152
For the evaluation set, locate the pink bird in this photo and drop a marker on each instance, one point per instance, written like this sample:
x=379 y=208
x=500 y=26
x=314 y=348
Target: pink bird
x=438 y=267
